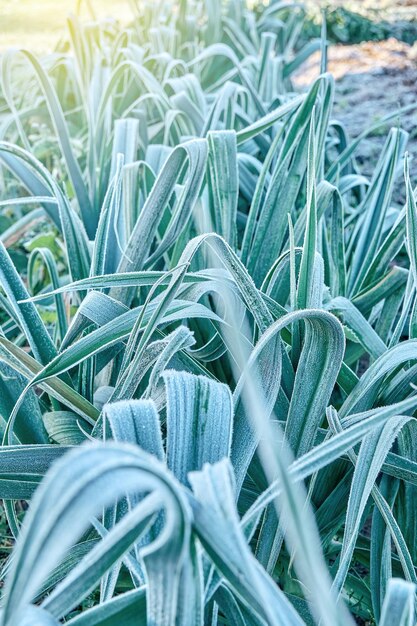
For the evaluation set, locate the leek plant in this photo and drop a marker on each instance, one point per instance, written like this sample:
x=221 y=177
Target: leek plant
x=208 y=340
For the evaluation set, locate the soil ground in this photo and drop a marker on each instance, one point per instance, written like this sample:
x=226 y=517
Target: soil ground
x=373 y=79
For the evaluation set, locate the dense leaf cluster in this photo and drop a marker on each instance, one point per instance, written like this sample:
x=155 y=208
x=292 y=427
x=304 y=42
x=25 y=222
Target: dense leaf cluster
x=209 y=335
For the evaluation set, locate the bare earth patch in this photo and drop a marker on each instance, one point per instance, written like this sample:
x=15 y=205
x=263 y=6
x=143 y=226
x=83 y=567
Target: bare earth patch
x=372 y=80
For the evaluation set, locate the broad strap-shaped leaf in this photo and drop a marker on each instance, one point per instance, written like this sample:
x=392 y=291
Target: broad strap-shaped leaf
x=135 y=422
x=381 y=551
x=89 y=571
x=199 y=422
x=26 y=365
x=70 y=224
x=265 y=362
x=179 y=339
x=365 y=241
x=75 y=490
x=330 y=449
x=223 y=183
x=63 y=427
x=107 y=244
x=411 y=221
x=62 y=135
x=217 y=525
x=128 y=609
x=285 y=182
x=317 y=371
x=35 y=616
x=399 y=604
x=29 y=318
x=145 y=278
x=23 y=467
x=29 y=427
x=364 y=393
x=305 y=278
x=116 y=331
x=372 y=454
x=135 y=255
